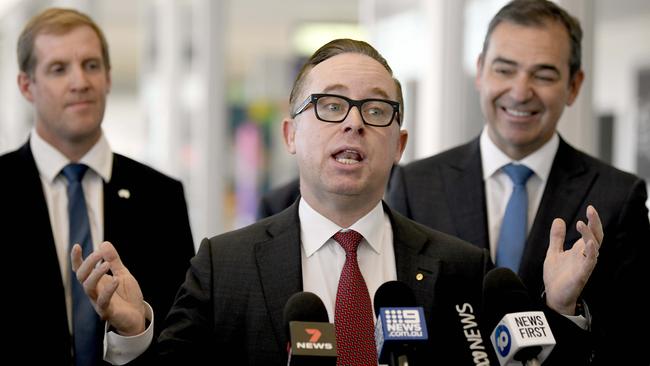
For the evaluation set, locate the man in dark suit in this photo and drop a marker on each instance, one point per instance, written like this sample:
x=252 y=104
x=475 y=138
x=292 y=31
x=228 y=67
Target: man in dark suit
x=528 y=71
x=65 y=75
x=230 y=306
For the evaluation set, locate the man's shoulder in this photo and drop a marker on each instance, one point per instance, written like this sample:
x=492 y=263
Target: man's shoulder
x=453 y=156
x=605 y=171
x=262 y=231
x=439 y=244
x=20 y=165
x=13 y=157
x=125 y=167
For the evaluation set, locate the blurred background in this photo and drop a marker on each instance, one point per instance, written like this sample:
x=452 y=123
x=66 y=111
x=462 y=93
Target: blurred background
x=200 y=87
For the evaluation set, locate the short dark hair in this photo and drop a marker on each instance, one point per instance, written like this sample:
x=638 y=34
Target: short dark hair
x=54 y=21
x=535 y=13
x=337 y=47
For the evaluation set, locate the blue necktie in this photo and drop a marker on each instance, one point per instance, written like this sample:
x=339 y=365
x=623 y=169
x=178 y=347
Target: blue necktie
x=512 y=237
x=85 y=322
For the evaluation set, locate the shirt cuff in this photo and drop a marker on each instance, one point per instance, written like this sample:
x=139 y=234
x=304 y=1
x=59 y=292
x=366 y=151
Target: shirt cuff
x=119 y=350
x=583 y=317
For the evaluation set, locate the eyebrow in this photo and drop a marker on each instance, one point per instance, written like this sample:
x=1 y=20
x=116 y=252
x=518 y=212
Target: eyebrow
x=340 y=87
x=538 y=67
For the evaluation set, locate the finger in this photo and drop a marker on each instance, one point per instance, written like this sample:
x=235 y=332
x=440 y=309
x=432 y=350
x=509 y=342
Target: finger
x=591 y=249
x=104 y=298
x=585 y=231
x=558 y=233
x=75 y=257
x=110 y=255
x=91 y=282
x=595 y=224
x=87 y=266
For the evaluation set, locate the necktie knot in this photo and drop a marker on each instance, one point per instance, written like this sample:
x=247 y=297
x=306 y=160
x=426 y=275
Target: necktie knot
x=518 y=173
x=349 y=240
x=74 y=172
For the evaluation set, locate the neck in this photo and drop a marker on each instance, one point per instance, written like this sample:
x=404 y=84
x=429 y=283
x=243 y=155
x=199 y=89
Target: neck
x=74 y=150
x=341 y=210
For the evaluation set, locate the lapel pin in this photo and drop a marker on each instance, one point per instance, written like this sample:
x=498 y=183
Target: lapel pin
x=419 y=276
x=124 y=193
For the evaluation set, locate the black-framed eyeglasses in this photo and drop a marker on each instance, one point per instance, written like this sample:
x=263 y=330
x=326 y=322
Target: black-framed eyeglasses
x=335 y=108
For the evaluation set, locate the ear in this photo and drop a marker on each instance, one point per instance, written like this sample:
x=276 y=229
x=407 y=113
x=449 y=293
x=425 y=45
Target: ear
x=24 y=85
x=109 y=81
x=574 y=86
x=479 y=70
x=403 y=138
x=289 y=134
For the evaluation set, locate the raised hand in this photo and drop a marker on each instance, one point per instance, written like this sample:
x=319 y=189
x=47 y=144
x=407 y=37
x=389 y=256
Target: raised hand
x=116 y=297
x=566 y=272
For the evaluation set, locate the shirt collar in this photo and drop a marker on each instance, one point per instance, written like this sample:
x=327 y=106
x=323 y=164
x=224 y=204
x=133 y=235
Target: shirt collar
x=50 y=161
x=540 y=161
x=316 y=229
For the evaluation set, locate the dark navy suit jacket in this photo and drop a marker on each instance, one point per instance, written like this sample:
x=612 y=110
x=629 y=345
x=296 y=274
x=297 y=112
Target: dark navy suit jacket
x=150 y=230
x=446 y=192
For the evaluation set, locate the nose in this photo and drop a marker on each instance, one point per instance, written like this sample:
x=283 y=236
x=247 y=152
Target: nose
x=520 y=89
x=79 y=79
x=353 y=122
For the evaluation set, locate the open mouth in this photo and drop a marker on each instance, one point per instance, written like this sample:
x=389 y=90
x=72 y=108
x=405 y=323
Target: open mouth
x=348 y=157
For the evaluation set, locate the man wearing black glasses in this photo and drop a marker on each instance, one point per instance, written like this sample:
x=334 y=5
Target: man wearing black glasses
x=339 y=241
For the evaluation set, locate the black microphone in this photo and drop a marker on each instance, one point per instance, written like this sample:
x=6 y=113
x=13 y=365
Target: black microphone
x=400 y=327
x=521 y=335
x=312 y=338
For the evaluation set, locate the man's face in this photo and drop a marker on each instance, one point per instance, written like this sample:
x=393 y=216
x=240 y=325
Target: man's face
x=347 y=159
x=68 y=87
x=523 y=82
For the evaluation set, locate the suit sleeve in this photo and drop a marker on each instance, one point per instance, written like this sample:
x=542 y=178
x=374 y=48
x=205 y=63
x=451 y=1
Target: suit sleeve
x=620 y=322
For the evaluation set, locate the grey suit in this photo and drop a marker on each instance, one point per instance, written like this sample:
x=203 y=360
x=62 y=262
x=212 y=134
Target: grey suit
x=446 y=192
x=150 y=230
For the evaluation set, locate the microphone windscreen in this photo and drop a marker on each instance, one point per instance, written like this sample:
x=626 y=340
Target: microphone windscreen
x=503 y=293
x=304 y=307
x=393 y=294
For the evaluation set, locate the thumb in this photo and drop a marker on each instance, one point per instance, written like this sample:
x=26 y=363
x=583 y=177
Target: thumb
x=558 y=233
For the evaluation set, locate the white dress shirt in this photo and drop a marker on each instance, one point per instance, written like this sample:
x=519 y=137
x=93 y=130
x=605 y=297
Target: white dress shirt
x=50 y=162
x=323 y=258
x=498 y=186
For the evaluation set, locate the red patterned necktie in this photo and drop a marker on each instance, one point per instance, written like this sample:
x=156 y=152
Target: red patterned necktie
x=353 y=317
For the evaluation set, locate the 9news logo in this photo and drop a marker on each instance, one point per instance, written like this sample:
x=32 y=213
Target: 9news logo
x=502 y=340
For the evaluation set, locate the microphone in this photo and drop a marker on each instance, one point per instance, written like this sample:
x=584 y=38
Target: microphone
x=400 y=326
x=520 y=336
x=312 y=337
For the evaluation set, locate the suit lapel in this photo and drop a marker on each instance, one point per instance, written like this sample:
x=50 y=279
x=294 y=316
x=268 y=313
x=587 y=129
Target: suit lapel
x=463 y=181
x=279 y=266
x=419 y=272
x=118 y=211
x=568 y=183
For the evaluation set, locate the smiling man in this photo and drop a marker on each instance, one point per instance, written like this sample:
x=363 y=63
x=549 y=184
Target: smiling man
x=66 y=186
x=502 y=190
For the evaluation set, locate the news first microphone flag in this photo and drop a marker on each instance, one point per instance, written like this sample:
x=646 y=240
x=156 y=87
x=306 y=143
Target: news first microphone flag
x=521 y=330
